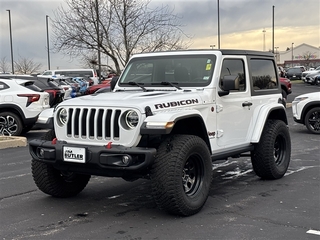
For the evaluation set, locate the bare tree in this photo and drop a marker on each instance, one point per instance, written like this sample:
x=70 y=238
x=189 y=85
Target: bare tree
x=124 y=27
x=91 y=61
x=26 y=66
x=4 y=66
x=307 y=56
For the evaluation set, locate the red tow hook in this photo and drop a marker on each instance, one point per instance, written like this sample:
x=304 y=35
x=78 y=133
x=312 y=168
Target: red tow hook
x=108 y=146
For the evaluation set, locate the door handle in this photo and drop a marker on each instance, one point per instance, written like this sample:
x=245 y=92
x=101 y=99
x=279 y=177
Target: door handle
x=246 y=104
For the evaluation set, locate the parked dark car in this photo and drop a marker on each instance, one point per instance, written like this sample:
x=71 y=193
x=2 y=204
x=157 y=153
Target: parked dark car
x=294 y=73
x=313 y=78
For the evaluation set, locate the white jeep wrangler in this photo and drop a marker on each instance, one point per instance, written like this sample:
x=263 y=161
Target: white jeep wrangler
x=167 y=117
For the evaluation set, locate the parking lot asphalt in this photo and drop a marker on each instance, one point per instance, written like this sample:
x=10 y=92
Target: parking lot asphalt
x=240 y=206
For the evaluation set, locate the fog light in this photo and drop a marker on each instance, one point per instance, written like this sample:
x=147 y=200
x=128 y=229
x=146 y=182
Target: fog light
x=126 y=160
x=41 y=152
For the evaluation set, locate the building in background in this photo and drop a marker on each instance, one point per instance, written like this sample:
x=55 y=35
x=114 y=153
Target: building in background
x=301 y=55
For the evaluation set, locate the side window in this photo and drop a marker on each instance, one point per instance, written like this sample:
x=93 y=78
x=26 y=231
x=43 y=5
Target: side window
x=3 y=86
x=263 y=74
x=234 y=67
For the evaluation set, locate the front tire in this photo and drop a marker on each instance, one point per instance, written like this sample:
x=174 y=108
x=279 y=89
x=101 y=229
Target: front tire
x=10 y=124
x=181 y=175
x=271 y=156
x=312 y=120
x=54 y=182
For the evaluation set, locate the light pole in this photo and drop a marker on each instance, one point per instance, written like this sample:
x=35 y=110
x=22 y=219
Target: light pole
x=273 y=29
x=264 y=39
x=48 y=42
x=292 y=54
x=98 y=39
x=212 y=46
x=218 y=25
x=276 y=53
x=12 y=66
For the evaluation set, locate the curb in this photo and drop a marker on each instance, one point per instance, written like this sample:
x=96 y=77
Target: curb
x=12 y=141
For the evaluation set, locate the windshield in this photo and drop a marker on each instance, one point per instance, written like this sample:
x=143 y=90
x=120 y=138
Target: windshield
x=174 y=71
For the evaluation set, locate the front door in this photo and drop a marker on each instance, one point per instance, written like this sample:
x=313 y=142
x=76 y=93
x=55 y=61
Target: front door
x=235 y=111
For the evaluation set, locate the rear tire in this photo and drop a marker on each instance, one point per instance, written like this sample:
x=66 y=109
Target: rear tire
x=312 y=120
x=181 y=175
x=271 y=156
x=54 y=182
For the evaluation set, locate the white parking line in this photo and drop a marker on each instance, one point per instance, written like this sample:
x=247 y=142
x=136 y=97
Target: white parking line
x=16 y=176
x=314 y=232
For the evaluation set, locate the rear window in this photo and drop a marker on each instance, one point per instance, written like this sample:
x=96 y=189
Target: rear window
x=33 y=87
x=294 y=70
x=75 y=73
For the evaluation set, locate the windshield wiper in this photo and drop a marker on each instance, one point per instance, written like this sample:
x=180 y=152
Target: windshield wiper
x=138 y=84
x=172 y=84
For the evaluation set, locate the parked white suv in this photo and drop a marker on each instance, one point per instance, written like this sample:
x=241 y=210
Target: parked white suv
x=20 y=104
x=305 y=73
x=84 y=73
x=169 y=115
x=306 y=110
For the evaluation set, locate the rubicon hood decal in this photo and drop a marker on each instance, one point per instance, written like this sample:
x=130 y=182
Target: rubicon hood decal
x=176 y=103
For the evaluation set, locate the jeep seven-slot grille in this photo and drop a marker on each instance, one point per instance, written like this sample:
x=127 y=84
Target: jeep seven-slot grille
x=91 y=123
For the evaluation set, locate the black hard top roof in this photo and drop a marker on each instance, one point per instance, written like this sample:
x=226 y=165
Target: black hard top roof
x=229 y=52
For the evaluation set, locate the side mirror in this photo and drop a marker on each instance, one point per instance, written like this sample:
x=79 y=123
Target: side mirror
x=228 y=83
x=113 y=82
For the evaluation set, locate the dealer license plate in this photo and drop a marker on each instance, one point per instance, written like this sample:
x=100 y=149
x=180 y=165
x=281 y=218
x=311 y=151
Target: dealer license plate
x=74 y=154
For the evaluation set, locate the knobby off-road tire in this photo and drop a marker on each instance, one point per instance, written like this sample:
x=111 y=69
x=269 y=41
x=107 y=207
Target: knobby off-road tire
x=312 y=120
x=271 y=156
x=54 y=182
x=10 y=124
x=181 y=175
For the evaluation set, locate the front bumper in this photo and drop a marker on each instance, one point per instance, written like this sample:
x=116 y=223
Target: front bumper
x=112 y=161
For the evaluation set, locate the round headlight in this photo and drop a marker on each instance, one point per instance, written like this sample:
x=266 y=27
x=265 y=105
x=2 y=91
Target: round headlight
x=131 y=119
x=62 y=116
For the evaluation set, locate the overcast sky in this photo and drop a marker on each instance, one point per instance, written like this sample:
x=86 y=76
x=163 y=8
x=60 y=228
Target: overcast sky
x=241 y=25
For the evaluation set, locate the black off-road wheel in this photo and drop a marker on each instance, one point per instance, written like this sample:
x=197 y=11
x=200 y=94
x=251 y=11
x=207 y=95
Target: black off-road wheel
x=54 y=182
x=10 y=124
x=312 y=120
x=271 y=156
x=181 y=175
